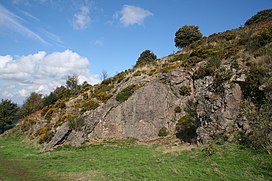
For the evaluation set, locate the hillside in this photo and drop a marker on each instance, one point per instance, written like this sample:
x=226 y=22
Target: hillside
x=218 y=87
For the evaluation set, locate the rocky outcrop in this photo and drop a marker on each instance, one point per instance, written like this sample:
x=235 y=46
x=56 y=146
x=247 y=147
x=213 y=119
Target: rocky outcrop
x=142 y=116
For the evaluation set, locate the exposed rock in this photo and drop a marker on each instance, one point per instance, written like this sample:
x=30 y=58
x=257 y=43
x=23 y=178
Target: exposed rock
x=75 y=138
x=141 y=116
x=62 y=133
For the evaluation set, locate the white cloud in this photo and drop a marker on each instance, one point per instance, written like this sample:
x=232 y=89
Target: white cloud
x=41 y=72
x=12 y=22
x=82 y=18
x=132 y=15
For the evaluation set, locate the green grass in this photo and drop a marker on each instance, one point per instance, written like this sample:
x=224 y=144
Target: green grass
x=125 y=160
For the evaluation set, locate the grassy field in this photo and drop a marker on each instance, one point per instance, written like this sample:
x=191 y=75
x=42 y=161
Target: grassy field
x=125 y=160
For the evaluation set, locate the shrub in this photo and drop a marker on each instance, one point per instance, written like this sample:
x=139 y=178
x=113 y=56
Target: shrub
x=101 y=95
x=259 y=135
x=49 y=113
x=163 y=132
x=168 y=67
x=187 y=125
x=88 y=105
x=146 y=56
x=202 y=72
x=177 y=109
x=124 y=94
x=185 y=90
x=46 y=138
x=60 y=104
x=192 y=61
x=153 y=72
x=119 y=77
x=213 y=63
x=259 y=17
x=261 y=37
x=255 y=78
x=205 y=52
x=138 y=73
x=179 y=57
x=187 y=35
x=63 y=119
x=76 y=122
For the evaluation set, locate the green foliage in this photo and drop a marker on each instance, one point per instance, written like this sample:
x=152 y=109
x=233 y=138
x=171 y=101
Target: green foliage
x=204 y=52
x=163 y=132
x=187 y=125
x=45 y=134
x=33 y=103
x=64 y=118
x=59 y=93
x=76 y=122
x=261 y=38
x=187 y=35
x=46 y=138
x=101 y=95
x=124 y=94
x=48 y=115
x=177 y=109
x=185 y=90
x=191 y=61
x=119 y=77
x=255 y=78
x=138 y=73
x=146 y=57
x=259 y=134
x=60 y=104
x=180 y=57
x=88 y=105
x=260 y=17
x=72 y=84
x=8 y=111
x=209 y=69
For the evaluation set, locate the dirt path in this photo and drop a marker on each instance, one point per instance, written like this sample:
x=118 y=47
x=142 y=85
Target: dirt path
x=13 y=170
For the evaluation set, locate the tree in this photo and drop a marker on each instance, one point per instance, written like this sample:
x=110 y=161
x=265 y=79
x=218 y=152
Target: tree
x=33 y=103
x=146 y=56
x=58 y=93
x=72 y=84
x=187 y=35
x=7 y=113
x=259 y=17
x=104 y=75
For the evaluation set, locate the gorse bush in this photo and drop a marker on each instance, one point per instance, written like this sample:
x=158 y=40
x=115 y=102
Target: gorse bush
x=262 y=37
x=126 y=93
x=260 y=17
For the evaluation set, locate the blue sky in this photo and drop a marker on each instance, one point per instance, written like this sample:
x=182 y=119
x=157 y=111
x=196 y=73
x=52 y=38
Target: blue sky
x=44 y=41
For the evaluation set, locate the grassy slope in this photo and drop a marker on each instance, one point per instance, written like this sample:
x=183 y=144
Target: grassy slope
x=125 y=161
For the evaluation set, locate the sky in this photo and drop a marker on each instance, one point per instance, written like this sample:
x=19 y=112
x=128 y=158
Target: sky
x=42 y=42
